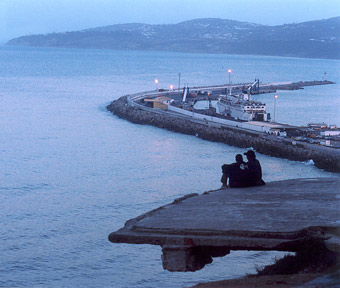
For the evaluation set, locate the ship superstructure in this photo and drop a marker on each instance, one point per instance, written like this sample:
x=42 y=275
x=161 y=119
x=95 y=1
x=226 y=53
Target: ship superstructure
x=241 y=107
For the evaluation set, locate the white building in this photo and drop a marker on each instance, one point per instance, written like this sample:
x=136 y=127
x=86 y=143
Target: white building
x=335 y=132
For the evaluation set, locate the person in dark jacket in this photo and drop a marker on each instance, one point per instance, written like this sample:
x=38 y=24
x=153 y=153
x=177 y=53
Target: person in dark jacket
x=235 y=172
x=225 y=175
x=253 y=171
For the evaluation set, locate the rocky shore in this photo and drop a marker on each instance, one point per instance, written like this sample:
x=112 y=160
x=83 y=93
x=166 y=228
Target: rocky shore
x=327 y=159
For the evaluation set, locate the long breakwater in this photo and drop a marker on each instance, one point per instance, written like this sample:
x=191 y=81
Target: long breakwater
x=323 y=157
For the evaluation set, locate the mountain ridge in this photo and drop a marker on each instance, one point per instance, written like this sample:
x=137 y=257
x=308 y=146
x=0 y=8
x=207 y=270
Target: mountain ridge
x=312 y=39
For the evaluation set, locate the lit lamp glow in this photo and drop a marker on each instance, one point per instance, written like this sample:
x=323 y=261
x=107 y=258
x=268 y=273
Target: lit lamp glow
x=156 y=82
x=229 y=72
x=171 y=87
x=275 y=97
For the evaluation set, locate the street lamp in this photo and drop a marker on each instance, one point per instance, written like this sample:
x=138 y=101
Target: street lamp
x=179 y=81
x=171 y=87
x=275 y=97
x=156 y=82
x=229 y=72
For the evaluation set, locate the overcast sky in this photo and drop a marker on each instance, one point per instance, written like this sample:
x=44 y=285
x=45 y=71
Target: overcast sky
x=24 y=17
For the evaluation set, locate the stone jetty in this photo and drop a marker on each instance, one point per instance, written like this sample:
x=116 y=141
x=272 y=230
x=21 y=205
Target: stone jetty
x=324 y=157
x=295 y=85
x=298 y=215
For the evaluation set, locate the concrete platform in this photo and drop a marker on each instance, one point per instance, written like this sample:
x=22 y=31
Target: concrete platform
x=291 y=215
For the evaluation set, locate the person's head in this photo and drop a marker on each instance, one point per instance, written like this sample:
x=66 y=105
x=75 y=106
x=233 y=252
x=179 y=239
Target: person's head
x=250 y=154
x=239 y=158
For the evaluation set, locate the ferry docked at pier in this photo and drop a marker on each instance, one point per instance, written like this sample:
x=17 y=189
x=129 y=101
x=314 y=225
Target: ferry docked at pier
x=242 y=107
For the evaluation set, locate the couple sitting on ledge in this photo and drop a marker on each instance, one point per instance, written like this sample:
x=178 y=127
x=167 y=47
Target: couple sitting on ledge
x=242 y=174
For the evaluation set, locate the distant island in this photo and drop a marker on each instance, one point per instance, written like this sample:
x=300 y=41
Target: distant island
x=313 y=39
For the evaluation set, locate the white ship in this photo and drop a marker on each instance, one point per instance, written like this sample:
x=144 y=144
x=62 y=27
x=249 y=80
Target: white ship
x=241 y=107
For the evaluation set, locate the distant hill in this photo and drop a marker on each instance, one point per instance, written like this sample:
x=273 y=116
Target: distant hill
x=313 y=39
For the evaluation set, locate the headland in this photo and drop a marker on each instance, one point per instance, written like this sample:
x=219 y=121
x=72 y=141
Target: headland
x=312 y=39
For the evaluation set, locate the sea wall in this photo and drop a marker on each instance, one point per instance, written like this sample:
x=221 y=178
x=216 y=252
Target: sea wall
x=327 y=159
x=296 y=85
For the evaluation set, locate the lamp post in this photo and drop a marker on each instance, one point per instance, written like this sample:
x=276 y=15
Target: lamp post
x=275 y=97
x=156 y=82
x=171 y=87
x=229 y=72
x=179 y=81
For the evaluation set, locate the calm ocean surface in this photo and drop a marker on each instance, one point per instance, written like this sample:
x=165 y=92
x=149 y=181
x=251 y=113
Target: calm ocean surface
x=71 y=172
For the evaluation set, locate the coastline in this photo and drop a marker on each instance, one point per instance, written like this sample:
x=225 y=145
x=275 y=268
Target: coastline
x=327 y=159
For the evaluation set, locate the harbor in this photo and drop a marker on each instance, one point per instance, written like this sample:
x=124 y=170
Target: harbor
x=299 y=216
x=73 y=170
x=180 y=111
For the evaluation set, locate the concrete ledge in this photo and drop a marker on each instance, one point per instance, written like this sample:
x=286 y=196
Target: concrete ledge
x=292 y=215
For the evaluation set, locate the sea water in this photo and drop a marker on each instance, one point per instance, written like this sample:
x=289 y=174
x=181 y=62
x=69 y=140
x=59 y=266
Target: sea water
x=71 y=172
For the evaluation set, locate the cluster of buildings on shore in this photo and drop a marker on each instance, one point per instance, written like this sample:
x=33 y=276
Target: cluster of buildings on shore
x=320 y=133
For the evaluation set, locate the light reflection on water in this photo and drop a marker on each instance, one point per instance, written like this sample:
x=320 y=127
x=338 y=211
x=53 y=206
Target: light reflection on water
x=71 y=172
